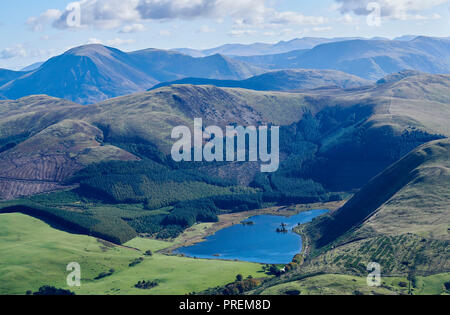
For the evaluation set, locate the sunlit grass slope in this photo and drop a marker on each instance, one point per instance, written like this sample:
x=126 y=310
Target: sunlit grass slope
x=34 y=254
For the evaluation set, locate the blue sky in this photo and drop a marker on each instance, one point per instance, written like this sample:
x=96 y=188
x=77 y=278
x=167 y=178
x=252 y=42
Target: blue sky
x=33 y=31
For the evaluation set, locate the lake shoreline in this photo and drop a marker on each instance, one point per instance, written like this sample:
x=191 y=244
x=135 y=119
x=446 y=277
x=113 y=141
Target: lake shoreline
x=228 y=220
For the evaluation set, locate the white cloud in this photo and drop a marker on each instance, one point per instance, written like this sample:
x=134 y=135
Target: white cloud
x=346 y=19
x=107 y=14
x=128 y=14
x=25 y=51
x=13 y=52
x=38 y=23
x=190 y=9
x=132 y=28
x=103 y=14
x=94 y=41
x=397 y=9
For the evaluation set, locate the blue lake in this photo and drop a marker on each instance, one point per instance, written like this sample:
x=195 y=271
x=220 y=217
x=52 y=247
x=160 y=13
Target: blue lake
x=254 y=243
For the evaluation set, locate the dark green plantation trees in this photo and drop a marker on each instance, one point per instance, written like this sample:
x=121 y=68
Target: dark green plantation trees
x=191 y=195
x=187 y=213
x=148 y=182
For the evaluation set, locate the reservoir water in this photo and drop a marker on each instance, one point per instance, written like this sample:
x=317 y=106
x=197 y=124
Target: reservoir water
x=257 y=242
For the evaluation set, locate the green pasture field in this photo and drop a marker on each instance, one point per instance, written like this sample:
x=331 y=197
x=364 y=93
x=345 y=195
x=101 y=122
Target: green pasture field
x=34 y=254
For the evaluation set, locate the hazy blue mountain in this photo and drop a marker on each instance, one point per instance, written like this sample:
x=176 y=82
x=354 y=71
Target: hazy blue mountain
x=283 y=80
x=33 y=66
x=190 y=52
x=399 y=76
x=8 y=75
x=262 y=48
x=369 y=59
x=84 y=74
x=406 y=37
x=170 y=65
x=92 y=73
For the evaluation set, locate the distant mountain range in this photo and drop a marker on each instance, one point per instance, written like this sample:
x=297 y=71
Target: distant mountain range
x=278 y=48
x=93 y=73
x=282 y=80
x=369 y=59
x=263 y=48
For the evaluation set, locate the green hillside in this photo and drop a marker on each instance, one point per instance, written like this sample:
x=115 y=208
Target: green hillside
x=333 y=284
x=400 y=219
x=332 y=142
x=411 y=196
x=38 y=255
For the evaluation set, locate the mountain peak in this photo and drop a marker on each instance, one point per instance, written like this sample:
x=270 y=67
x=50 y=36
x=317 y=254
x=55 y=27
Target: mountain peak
x=91 y=49
x=218 y=56
x=91 y=73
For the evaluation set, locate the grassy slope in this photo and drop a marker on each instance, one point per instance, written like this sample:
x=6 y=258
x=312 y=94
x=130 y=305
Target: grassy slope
x=38 y=255
x=333 y=284
x=32 y=114
x=411 y=196
x=400 y=219
x=419 y=101
x=152 y=115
